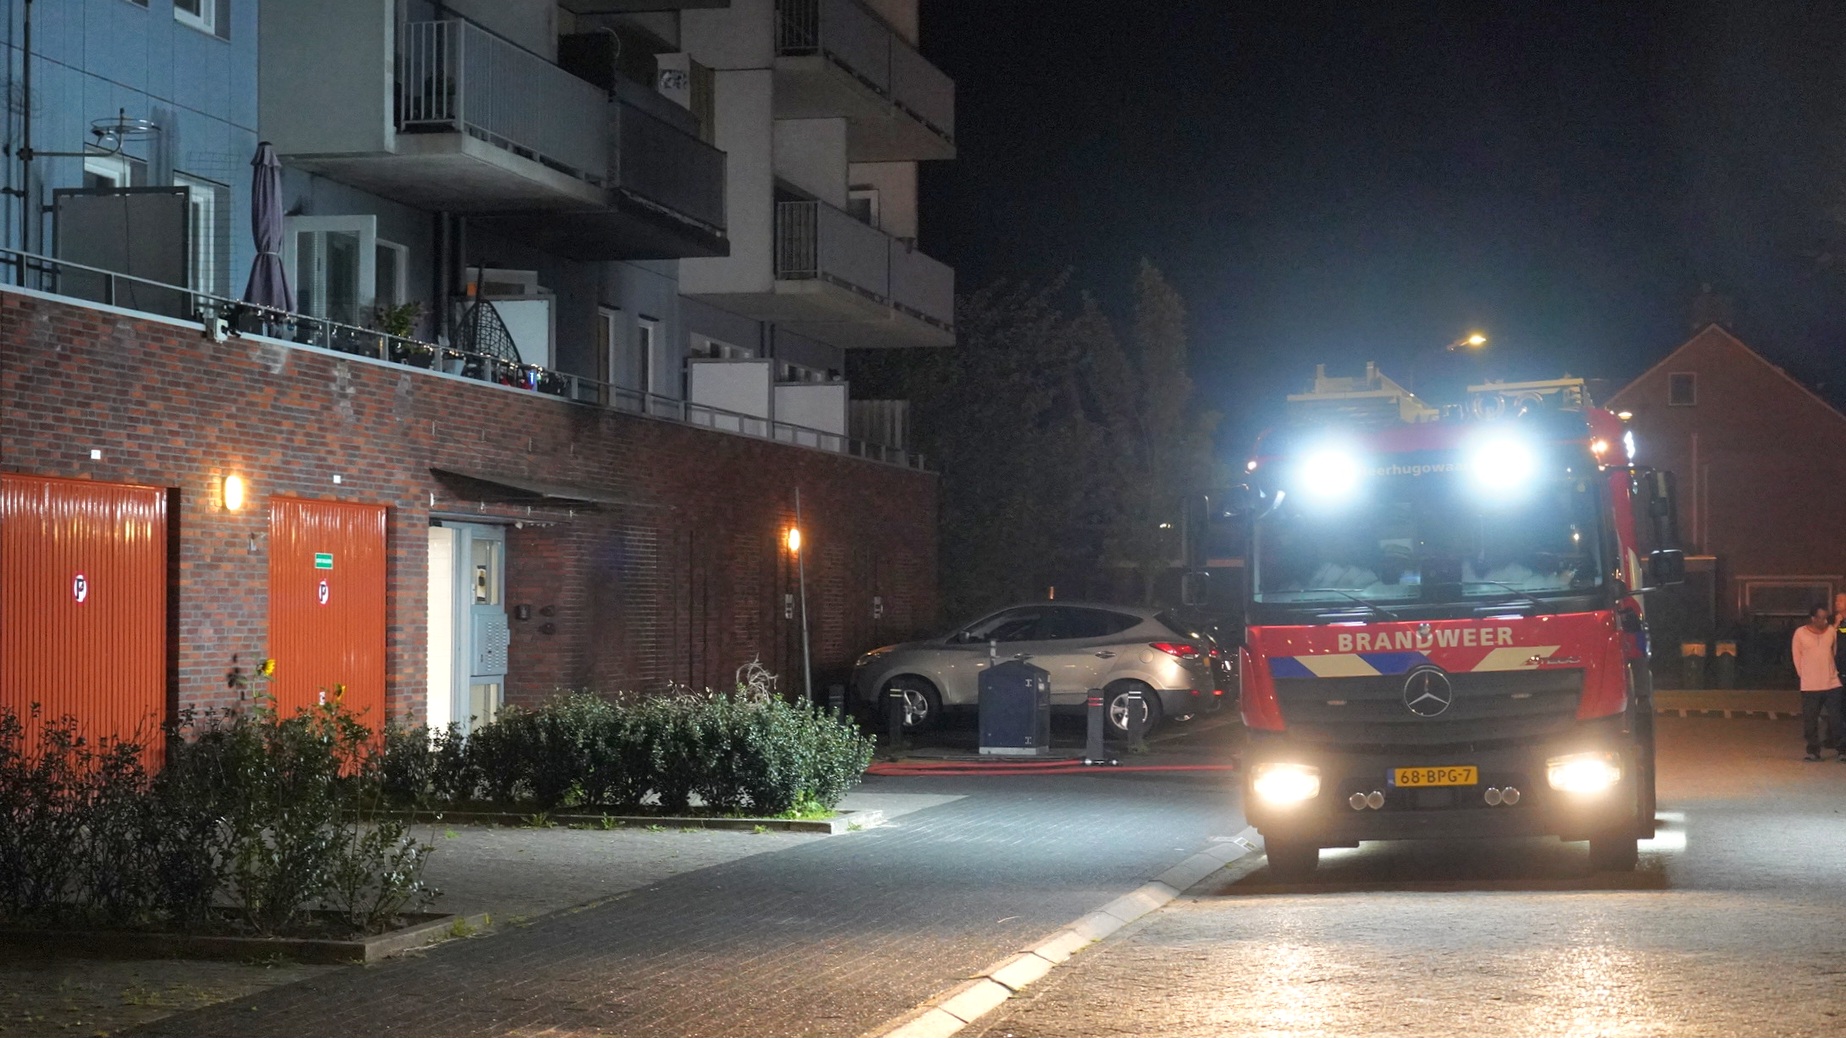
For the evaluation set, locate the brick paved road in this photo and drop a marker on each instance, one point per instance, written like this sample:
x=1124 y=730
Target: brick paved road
x=1733 y=925
x=829 y=938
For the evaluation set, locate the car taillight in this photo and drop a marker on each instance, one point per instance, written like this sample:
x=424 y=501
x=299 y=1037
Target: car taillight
x=1178 y=650
x=1259 y=706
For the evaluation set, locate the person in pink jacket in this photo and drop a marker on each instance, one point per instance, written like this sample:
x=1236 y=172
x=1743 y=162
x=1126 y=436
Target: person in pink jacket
x=1820 y=682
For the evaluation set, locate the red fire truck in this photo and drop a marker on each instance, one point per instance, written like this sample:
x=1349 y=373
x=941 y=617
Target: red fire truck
x=1444 y=630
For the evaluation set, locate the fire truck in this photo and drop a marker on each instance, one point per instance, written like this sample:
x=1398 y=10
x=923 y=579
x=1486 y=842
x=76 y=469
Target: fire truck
x=1444 y=631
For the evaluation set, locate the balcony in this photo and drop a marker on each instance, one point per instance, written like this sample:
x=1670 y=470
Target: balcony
x=845 y=283
x=814 y=414
x=836 y=58
x=468 y=122
x=664 y=194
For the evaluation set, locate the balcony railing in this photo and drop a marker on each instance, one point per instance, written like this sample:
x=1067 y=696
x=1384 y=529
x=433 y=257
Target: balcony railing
x=456 y=77
x=233 y=317
x=860 y=42
x=662 y=165
x=817 y=241
x=922 y=287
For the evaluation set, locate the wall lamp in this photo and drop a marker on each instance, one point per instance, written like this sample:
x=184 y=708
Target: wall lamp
x=234 y=491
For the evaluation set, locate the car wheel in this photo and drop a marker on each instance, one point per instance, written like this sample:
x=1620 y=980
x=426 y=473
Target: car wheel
x=922 y=703
x=1290 y=861
x=1115 y=708
x=1615 y=852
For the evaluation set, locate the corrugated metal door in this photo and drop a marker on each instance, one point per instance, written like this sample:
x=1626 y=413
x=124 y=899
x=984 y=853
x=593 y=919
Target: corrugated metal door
x=83 y=603
x=327 y=604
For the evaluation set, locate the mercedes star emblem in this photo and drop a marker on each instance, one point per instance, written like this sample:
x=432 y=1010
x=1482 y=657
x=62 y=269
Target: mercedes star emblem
x=1427 y=692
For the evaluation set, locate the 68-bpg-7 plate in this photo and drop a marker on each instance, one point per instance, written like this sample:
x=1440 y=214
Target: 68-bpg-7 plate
x=1447 y=775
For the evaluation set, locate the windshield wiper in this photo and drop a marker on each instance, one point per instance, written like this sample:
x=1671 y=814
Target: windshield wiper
x=1373 y=606
x=1536 y=604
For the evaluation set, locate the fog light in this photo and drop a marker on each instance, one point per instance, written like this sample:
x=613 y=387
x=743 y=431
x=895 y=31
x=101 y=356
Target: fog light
x=1285 y=783
x=1509 y=796
x=1583 y=772
x=1356 y=801
x=1374 y=799
x=1492 y=796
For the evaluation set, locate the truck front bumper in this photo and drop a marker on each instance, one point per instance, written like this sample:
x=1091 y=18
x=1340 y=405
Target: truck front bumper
x=1330 y=818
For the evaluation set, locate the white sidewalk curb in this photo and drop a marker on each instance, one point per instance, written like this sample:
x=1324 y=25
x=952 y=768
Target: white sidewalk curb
x=951 y=1010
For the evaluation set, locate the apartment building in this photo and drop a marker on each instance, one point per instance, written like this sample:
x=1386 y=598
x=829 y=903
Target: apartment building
x=574 y=285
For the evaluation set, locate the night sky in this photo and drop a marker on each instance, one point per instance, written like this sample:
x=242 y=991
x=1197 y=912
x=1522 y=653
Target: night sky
x=1341 y=182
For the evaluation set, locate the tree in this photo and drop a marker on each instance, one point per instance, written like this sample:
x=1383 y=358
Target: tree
x=1061 y=453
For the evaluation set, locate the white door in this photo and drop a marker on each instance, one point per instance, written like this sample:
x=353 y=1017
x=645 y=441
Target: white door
x=439 y=708
x=470 y=611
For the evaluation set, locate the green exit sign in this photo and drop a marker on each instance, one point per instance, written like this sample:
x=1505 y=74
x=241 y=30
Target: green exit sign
x=323 y=560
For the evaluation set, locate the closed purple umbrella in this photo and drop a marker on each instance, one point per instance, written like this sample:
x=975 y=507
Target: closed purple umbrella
x=268 y=281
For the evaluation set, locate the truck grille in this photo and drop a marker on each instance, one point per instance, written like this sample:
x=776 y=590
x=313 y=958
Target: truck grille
x=1495 y=706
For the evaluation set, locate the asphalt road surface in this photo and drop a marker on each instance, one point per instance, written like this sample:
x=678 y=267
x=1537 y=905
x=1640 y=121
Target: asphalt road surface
x=1735 y=923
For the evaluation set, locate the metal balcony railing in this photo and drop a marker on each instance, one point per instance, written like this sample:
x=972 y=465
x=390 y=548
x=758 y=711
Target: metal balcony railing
x=663 y=165
x=856 y=39
x=816 y=241
x=922 y=287
x=454 y=76
x=47 y=274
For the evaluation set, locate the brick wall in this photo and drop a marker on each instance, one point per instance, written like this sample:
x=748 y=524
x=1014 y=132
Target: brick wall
x=1761 y=476
x=685 y=585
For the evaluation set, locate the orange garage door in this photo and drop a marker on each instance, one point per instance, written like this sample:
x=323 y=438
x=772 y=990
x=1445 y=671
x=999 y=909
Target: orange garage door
x=83 y=603
x=327 y=604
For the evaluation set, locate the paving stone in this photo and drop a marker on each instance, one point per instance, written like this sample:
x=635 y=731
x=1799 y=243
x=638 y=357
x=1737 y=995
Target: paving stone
x=833 y=936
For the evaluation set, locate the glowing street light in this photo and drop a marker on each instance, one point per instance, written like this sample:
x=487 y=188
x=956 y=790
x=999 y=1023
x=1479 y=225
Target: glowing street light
x=1471 y=341
x=801 y=567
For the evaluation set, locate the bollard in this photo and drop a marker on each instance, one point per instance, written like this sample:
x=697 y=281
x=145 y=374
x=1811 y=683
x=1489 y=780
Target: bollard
x=836 y=701
x=1093 y=748
x=1137 y=721
x=896 y=706
x=1725 y=664
x=1692 y=665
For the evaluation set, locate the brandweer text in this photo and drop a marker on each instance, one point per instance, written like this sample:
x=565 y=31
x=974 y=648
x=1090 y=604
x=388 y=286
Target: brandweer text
x=1469 y=637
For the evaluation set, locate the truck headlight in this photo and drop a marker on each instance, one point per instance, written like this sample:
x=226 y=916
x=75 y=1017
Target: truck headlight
x=1280 y=783
x=1583 y=772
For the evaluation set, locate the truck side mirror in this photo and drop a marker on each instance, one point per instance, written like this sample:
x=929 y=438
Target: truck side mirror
x=1241 y=501
x=1195 y=588
x=1666 y=566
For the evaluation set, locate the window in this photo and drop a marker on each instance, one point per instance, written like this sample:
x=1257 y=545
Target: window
x=1069 y=622
x=1014 y=625
x=862 y=204
x=1682 y=389
x=1791 y=597
x=332 y=263
x=199 y=14
x=105 y=170
x=390 y=265
x=208 y=230
x=647 y=338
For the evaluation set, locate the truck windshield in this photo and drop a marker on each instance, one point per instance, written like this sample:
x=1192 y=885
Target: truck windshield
x=1432 y=538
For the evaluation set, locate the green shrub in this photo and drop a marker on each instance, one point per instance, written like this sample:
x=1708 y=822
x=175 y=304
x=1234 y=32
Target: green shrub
x=277 y=816
x=747 y=750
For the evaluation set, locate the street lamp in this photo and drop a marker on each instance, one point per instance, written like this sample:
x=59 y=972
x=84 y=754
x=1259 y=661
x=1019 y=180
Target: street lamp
x=801 y=567
x=1470 y=341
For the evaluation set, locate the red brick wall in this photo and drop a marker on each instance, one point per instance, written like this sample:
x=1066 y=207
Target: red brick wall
x=1758 y=458
x=685 y=589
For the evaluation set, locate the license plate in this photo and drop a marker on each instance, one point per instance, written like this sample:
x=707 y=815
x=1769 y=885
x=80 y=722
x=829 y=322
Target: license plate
x=1456 y=775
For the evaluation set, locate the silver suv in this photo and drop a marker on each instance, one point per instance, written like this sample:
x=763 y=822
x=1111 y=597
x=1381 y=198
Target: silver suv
x=1119 y=649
